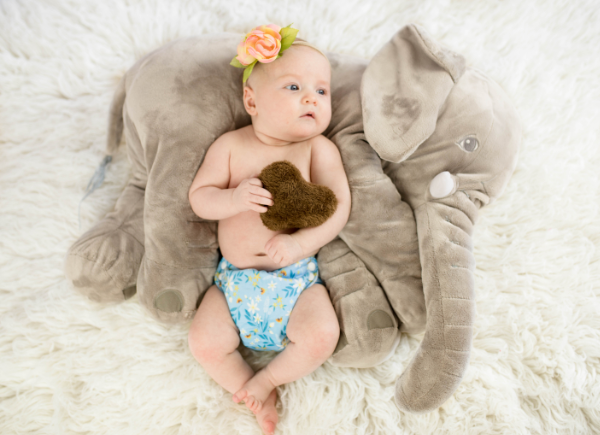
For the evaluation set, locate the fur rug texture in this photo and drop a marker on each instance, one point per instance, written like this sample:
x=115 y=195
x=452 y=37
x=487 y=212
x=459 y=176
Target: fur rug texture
x=70 y=366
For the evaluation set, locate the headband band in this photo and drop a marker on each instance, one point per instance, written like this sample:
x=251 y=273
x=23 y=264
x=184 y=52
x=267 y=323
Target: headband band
x=299 y=41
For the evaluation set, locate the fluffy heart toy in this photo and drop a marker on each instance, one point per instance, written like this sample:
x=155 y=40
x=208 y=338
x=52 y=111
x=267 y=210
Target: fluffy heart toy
x=297 y=203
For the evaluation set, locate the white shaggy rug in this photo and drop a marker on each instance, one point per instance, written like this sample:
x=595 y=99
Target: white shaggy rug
x=70 y=366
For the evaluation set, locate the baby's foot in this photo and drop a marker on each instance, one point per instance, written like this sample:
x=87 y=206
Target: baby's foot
x=255 y=392
x=267 y=417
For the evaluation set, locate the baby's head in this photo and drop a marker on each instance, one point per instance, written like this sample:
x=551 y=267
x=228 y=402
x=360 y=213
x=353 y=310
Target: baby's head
x=277 y=95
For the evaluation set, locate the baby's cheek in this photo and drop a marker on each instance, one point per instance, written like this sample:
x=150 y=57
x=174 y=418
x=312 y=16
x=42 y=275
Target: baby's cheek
x=277 y=113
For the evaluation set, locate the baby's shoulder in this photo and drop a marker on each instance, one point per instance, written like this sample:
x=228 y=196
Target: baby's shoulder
x=322 y=145
x=318 y=139
x=229 y=136
x=228 y=140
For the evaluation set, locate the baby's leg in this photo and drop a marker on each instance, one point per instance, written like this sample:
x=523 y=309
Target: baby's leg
x=313 y=331
x=213 y=340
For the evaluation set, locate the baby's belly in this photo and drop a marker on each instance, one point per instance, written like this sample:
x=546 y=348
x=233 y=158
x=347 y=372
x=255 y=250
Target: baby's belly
x=242 y=240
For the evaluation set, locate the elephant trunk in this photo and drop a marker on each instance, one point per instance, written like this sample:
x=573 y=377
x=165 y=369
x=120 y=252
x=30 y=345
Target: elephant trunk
x=444 y=227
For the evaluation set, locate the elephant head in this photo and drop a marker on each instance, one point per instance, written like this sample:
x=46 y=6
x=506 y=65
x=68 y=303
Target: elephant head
x=448 y=138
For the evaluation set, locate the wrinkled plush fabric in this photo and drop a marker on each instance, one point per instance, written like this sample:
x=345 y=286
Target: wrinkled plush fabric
x=425 y=142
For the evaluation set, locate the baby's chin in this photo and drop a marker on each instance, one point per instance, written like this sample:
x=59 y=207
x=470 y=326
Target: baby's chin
x=303 y=137
x=300 y=132
x=304 y=133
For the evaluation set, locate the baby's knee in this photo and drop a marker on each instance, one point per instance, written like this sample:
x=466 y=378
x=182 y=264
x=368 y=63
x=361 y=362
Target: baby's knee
x=201 y=345
x=211 y=337
x=331 y=333
x=325 y=338
x=209 y=348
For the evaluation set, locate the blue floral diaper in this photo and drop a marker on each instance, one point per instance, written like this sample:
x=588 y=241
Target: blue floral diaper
x=260 y=302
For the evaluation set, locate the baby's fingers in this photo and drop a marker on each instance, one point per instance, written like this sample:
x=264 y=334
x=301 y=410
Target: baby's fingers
x=269 y=246
x=253 y=202
x=257 y=201
x=261 y=193
x=262 y=200
x=258 y=208
x=272 y=253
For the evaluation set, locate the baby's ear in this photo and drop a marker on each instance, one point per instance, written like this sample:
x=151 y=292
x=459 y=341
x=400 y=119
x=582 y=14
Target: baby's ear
x=249 y=100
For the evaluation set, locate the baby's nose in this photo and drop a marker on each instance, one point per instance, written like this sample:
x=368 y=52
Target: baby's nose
x=310 y=99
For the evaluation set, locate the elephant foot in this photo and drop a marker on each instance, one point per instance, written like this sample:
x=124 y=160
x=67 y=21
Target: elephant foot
x=172 y=294
x=103 y=263
x=405 y=294
x=368 y=327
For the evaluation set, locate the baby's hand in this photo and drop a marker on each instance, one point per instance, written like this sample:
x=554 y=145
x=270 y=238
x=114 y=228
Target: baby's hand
x=284 y=250
x=249 y=194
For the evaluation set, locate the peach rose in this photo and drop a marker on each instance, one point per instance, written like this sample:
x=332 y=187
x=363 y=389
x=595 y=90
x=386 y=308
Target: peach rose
x=261 y=43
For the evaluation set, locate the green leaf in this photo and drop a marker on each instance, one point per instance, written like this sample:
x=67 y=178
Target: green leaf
x=236 y=63
x=248 y=70
x=287 y=37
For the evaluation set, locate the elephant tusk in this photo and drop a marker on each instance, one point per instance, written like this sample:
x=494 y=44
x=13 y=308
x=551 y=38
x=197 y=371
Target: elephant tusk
x=442 y=185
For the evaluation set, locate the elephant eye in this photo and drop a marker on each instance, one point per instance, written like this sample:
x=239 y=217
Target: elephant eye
x=468 y=143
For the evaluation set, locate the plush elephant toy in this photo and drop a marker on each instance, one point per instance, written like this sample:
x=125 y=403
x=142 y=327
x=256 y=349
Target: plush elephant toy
x=425 y=142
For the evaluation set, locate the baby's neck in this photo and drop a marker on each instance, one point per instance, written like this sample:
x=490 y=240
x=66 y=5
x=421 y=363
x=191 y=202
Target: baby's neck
x=267 y=140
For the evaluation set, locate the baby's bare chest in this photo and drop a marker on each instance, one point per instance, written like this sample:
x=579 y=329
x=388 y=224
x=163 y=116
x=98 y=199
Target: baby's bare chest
x=249 y=162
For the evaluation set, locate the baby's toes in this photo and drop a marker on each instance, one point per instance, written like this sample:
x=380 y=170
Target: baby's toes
x=253 y=404
x=239 y=396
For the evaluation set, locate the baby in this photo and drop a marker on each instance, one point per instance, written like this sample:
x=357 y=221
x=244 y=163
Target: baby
x=267 y=291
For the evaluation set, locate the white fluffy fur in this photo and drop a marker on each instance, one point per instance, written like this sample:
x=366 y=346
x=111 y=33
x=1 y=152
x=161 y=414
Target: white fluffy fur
x=69 y=366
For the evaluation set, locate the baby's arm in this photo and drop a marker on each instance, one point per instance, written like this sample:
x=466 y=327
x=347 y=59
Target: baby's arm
x=209 y=196
x=326 y=169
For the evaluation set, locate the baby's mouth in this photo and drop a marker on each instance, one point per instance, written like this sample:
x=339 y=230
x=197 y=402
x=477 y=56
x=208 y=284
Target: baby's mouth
x=309 y=115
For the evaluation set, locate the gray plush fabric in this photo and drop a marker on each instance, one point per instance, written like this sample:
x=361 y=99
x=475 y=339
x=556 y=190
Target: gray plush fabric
x=411 y=122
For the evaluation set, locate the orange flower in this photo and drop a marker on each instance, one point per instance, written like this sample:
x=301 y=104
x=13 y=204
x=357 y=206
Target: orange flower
x=261 y=43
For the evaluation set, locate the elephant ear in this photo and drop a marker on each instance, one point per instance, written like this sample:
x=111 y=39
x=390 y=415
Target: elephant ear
x=403 y=89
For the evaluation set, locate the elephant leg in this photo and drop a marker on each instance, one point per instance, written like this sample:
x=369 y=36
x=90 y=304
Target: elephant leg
x=383 y=233
x=444 y=227
x=368 y=327
x=103 y=263
x=181 y=249
x=172 y=290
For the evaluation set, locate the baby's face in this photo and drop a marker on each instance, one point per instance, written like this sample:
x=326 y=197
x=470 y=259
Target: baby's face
x=285 y=90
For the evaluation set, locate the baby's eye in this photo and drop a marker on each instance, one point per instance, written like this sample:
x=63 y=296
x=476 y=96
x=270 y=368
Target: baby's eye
x=292 y=89
x=323 y=91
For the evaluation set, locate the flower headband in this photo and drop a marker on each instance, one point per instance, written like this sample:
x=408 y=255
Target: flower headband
x=263 y=44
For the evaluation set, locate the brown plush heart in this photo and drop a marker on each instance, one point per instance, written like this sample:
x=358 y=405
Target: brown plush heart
x=297 y=203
